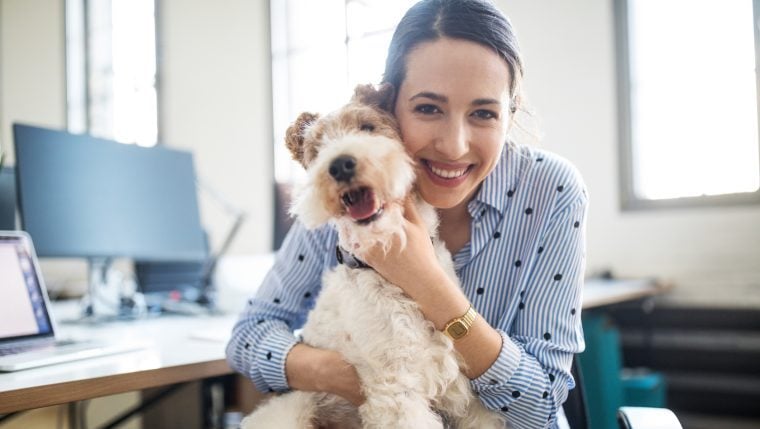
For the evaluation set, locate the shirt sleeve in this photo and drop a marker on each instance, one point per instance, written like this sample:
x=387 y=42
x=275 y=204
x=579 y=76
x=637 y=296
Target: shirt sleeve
x=530 y=379
x=263 y=335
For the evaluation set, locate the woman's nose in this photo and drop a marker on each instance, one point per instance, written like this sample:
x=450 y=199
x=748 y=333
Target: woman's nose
x=453 y=142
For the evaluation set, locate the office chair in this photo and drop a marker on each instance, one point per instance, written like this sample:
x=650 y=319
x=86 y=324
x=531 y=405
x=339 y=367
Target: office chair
x=576 y=411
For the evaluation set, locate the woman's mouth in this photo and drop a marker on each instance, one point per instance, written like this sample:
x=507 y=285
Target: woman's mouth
x=446 y=174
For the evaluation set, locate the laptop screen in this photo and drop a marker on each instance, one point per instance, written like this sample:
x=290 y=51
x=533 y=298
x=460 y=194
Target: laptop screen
x=23 y=313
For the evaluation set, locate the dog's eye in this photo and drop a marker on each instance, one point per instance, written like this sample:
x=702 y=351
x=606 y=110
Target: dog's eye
x=368 y=127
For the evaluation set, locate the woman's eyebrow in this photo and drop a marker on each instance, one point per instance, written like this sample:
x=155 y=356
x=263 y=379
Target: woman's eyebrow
x=483 y=101
x=430 y=95
x=443 y=99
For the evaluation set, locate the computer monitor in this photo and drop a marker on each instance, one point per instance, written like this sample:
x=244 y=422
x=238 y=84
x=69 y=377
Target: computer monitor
x=87 y=197
x=7 y=199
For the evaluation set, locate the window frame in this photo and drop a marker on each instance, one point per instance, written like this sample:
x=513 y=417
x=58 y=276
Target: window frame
x=78 y=69
x=282 y=52
x=629 y=201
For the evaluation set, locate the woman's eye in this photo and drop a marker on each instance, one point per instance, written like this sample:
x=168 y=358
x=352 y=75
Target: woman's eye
x=427 y=109
x=485 y=114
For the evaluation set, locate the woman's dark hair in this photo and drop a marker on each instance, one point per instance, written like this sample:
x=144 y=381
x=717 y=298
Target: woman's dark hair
x=477 y=21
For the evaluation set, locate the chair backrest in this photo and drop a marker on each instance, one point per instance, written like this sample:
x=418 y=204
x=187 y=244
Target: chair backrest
x=575 y=407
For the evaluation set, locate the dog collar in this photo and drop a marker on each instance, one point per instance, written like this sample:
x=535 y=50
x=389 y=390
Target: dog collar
x=348 y=259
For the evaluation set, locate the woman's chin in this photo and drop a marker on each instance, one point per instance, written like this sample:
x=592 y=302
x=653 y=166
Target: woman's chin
x=442 y=198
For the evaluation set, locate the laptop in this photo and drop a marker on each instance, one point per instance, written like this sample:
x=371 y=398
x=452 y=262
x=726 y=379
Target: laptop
x=27 y=330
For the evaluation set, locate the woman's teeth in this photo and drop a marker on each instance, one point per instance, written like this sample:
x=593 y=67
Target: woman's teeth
x=448 y=174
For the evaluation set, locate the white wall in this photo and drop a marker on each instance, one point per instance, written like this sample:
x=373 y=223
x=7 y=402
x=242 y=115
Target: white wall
x=32 y=65
x=216 y=101
x=711 y=254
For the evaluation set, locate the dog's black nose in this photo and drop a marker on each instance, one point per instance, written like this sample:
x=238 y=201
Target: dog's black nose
x=343 y=168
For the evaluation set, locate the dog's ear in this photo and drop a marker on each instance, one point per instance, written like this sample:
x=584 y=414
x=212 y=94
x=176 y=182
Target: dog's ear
x=381 y=97
x=294 y=137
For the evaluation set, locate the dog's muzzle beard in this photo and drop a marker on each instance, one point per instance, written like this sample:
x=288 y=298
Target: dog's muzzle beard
x=360 y=202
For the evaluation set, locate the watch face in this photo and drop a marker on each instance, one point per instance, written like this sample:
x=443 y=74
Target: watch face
x=457 y=330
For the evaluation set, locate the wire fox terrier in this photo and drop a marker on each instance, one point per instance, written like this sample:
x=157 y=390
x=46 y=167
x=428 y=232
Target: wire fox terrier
x=359 y=175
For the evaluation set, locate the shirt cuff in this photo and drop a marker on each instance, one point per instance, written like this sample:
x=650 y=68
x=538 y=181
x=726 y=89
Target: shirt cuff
x=271 y=359
x=502 y=369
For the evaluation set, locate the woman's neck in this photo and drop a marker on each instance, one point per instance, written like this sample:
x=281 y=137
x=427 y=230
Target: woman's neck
x=454 y=227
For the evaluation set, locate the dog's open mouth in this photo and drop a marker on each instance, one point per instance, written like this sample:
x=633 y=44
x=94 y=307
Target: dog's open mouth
x=361 y=204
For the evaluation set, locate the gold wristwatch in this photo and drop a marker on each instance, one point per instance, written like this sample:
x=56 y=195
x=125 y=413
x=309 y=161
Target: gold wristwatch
x=458 y=327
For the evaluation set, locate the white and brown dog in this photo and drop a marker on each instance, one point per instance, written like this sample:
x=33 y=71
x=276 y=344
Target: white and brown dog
x=358 y=178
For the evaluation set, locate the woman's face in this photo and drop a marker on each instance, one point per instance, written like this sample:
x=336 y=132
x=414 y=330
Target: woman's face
x=453 y=110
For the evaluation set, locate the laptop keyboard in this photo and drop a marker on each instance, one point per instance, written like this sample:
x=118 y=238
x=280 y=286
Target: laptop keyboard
x=12 y=350
x=23 y=349
x=59 y=354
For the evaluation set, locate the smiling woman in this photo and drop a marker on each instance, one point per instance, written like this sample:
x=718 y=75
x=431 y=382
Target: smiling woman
x=512 y=216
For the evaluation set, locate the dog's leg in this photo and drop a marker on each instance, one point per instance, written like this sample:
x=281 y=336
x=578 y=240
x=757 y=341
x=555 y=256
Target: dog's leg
x=465 y=411
x=399 y=410
x=479 y=417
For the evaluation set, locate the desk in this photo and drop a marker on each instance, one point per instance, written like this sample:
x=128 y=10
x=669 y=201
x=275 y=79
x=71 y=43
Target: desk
x=180 y=349
x=600 y=292
x=174 y=354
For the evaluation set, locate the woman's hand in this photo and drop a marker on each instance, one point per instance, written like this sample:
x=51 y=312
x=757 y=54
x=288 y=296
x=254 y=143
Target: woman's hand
x=407 y=266
x=416 y=270
x=318 y=370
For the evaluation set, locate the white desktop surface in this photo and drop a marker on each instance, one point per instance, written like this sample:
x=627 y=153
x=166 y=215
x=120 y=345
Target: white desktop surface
x=600 y=292
x=177 y=349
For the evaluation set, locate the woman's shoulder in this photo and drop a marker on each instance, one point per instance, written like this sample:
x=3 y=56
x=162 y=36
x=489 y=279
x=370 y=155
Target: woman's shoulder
x=549 y=172
x=323 y=237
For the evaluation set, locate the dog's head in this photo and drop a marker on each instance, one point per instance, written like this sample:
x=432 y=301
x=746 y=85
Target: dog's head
x=356 y=165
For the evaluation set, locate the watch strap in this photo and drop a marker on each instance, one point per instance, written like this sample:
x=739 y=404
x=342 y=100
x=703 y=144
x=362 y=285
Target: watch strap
x=458 y=327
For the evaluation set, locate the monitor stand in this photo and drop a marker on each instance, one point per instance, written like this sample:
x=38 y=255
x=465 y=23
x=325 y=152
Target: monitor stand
x=103 y=301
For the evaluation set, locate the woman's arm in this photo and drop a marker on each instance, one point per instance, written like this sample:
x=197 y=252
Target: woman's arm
x=263 y=335
x=319 y=370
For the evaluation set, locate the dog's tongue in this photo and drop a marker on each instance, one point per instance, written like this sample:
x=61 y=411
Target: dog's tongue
x=362 y=203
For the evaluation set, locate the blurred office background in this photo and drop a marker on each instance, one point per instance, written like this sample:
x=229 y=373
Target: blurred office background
x=670 y=160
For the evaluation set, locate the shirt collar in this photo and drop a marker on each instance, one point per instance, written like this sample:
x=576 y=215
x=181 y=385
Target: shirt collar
x=495 y=188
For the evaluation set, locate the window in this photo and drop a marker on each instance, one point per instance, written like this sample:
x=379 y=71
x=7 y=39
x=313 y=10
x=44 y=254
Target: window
x=688 y=90
x=111 y=69
x=320 y=51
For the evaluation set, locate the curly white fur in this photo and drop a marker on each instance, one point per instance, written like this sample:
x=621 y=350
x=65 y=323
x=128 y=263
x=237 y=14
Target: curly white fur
x=410 y=372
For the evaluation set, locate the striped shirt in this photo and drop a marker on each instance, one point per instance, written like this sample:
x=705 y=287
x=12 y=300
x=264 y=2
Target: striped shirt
x=522 y=270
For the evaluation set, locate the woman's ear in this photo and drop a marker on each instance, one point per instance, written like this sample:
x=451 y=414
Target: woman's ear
x=294 y=137
x=380 y=97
